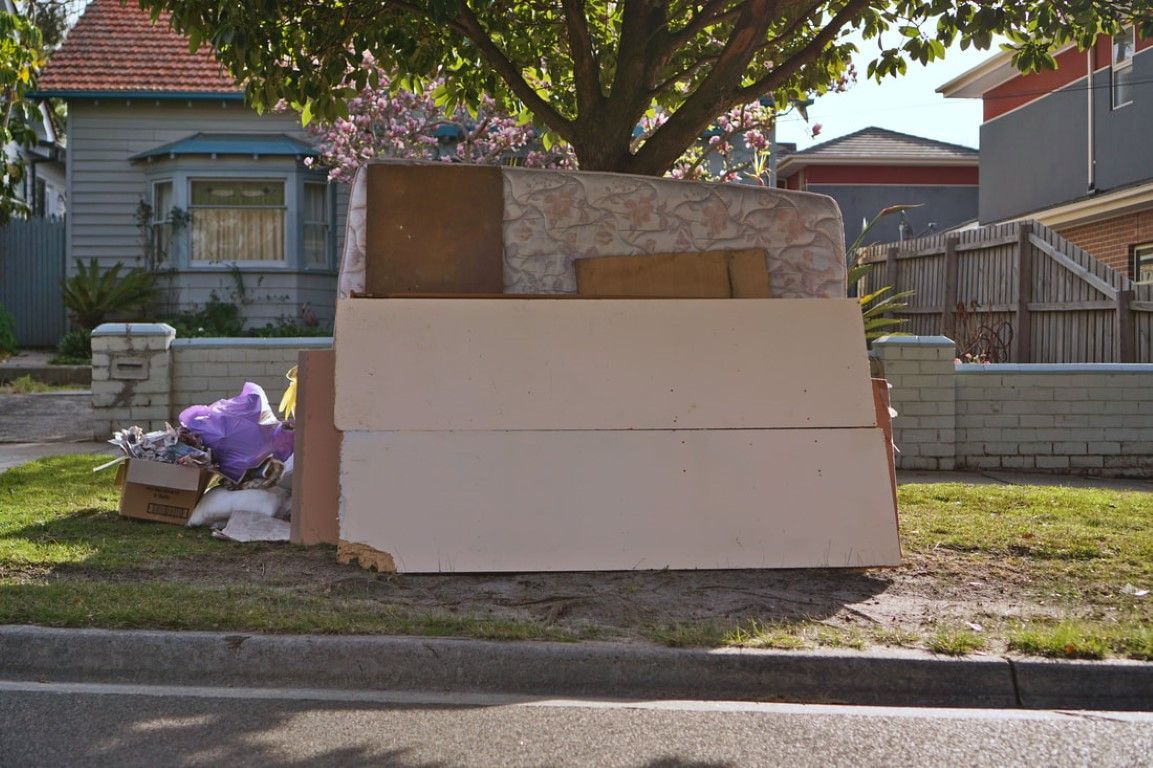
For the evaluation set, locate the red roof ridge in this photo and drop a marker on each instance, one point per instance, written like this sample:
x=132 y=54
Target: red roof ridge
x=116 y=48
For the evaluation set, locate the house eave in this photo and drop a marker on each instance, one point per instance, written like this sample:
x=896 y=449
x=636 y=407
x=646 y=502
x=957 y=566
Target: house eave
x=973 y=83
x=797 y=162
x=1096 y=208
x=976 y=82
x=68 y=94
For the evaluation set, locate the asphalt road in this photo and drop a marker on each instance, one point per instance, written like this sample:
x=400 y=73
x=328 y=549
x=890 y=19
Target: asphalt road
x=106 y=725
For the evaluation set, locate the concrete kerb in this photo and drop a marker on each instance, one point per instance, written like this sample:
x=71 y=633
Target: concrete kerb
x=601 y=670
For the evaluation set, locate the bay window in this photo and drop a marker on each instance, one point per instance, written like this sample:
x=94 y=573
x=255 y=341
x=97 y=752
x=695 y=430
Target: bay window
x=236 y=220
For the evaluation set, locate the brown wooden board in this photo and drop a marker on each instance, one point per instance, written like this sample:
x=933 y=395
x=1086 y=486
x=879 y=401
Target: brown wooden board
x=749 y=274
x=434 y=229
x=694 y=275
x=665 y=275
x=316 y=474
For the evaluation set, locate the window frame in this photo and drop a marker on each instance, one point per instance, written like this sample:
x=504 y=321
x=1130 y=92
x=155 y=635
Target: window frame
x=329 y=215
x=284 y=262
x=1124 y=66
x=1137 y=253
x=162 y=220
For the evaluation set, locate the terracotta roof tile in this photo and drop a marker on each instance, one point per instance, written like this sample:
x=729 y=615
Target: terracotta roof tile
x=116 y=48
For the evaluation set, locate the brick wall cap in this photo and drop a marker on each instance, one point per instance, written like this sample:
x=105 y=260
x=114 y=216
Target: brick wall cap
x=914 y=341
x=1056 y=368
x=295 y=342
x=134 y=329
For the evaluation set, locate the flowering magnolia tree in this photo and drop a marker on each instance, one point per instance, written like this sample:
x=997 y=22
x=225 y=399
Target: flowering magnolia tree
x=391 y=120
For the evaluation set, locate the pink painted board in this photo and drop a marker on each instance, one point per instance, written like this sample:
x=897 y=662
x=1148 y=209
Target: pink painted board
x=495 y=364
x=620 y=500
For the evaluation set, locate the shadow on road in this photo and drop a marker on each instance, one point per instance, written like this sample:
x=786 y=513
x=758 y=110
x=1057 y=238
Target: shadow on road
x=125 y=731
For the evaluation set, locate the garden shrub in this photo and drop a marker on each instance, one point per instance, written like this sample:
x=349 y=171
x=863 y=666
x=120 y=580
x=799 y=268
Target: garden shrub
x=7 y=333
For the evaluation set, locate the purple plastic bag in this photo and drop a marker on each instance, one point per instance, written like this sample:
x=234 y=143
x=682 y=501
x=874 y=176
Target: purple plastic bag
x=242 y=431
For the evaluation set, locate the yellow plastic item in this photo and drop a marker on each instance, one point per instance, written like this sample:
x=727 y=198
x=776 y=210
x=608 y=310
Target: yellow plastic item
x=288 y=402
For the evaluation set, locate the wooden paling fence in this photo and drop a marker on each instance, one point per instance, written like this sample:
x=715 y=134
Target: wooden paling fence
x=1016 y=293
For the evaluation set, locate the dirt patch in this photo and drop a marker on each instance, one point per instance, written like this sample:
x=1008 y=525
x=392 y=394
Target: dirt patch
x=928 y=592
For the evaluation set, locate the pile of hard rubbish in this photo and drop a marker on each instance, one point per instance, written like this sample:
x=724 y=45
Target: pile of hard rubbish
x=228 y=466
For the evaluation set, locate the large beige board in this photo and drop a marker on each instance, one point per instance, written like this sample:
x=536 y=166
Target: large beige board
x=619 y=500
x=479 y=364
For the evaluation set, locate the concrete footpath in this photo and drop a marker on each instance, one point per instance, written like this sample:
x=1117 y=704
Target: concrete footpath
x=605 y=670
x=15 y=454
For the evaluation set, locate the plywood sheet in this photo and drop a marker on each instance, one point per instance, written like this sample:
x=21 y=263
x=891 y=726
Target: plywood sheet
x=429 y=364
x=619 y=500
x=434 y=228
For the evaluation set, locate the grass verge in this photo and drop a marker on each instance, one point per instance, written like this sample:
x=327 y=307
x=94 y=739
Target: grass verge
x=1041 y=571
x=68 y=560
x=26 y=385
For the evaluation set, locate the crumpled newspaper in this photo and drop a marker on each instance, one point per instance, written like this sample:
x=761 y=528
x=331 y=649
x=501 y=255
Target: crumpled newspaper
x=266 y=475
x=167 y=445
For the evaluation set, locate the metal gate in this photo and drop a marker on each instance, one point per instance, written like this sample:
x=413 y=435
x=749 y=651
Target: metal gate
x=31 y=268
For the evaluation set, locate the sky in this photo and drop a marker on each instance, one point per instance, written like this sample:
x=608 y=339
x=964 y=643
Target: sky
x=908 y=104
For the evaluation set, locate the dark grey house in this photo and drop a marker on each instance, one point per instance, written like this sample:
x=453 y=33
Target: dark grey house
x=874 y=168
x=1072 y=148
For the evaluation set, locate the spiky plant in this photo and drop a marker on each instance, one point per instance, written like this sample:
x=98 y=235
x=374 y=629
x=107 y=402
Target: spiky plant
x=883 y=301
x=92 y=295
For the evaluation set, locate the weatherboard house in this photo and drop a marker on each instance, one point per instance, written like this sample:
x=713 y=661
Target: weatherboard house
x=166 y=164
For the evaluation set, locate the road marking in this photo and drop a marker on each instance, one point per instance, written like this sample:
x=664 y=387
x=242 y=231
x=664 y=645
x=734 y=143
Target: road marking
x=450 y=699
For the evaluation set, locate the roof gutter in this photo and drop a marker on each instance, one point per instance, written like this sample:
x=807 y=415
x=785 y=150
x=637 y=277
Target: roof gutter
x=792 y=162
x=64 y=93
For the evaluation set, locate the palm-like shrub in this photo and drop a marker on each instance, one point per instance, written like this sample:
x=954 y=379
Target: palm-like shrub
x=879 y=303
x=92 y=295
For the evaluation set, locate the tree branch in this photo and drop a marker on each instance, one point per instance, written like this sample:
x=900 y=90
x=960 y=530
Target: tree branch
x=683 y=74
x=510 y=73
x=636 y=35
x=712 y=12
x=713 y=95
x=786 y=69
x=586 y=68
x=793 y=25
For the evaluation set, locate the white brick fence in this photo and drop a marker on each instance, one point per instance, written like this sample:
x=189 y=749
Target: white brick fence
x=1086 y=418
x=142 y=374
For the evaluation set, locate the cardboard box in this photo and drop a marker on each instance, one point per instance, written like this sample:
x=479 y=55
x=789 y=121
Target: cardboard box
x=166 y=493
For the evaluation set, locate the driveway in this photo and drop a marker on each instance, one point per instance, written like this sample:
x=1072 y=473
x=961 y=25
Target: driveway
x=51 y=417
